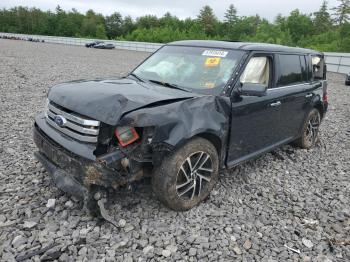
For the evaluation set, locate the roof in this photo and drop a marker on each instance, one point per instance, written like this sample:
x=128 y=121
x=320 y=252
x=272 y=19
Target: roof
x=247 y=46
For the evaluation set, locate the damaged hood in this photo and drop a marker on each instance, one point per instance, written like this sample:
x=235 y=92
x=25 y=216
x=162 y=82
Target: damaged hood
x=107 y=100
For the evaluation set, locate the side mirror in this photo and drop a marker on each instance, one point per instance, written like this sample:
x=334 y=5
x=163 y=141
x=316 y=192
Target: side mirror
x=251 y=89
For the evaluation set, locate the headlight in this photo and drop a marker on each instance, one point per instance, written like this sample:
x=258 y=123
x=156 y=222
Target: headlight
x=126 y=135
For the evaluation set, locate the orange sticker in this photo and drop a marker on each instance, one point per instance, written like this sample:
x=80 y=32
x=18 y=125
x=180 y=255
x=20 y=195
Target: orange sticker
x=212 y=61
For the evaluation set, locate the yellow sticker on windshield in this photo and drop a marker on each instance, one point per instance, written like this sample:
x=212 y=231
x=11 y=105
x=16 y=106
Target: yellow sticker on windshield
x=212 y=61
x=209 y=85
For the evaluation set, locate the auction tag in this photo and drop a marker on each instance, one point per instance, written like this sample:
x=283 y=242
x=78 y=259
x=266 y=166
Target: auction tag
x=217 y=53
x=212 y=61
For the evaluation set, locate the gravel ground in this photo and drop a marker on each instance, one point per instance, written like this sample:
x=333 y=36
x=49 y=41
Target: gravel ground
x=289 y=205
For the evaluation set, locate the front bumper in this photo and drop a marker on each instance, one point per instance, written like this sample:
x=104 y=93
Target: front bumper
x=77 y=175
x=61 y=179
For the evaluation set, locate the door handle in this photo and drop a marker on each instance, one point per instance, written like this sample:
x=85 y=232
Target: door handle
x=278 y=103
x=309 y=95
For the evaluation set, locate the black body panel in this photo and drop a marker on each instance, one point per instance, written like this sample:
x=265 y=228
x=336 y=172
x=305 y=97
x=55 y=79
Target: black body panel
x=176 y=123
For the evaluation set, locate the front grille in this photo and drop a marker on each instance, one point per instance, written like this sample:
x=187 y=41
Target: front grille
x=76 y=126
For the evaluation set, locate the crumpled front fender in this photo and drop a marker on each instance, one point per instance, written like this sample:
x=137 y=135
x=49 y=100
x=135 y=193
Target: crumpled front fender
x=176 y=123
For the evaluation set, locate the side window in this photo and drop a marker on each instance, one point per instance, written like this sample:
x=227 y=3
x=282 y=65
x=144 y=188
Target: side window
x=318 y=67
x=257 y=71
x=289 y=70
x=309 y=68
x=303 y=69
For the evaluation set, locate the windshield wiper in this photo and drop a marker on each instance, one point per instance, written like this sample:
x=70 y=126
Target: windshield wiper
x=137 y=77
x=173 y=86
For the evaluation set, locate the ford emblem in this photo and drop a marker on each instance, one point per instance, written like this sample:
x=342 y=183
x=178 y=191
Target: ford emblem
x=60 y=121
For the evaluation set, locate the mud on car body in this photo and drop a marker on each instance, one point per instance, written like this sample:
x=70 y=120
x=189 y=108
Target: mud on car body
x=188 y=111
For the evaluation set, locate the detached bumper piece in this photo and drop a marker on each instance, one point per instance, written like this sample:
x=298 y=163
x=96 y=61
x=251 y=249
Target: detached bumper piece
x=62 y=179
x=85 y=179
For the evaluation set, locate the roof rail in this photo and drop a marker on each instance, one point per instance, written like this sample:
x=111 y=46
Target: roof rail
x=232 y=41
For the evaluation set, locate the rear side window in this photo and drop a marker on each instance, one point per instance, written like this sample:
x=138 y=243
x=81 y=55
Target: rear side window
x=309 y=68
x=289 y=70
x=303 y=69
x=318 y=67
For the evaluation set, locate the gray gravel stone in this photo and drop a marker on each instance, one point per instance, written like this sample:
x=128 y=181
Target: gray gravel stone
x=171 y=248
x=247 y=244
x=128 y=228
x=237 y=250
x=166 y=253
x=148 y=249
x=233 y=238
x=29 y=224
x=18 y=241
x=307 y=243
x=69 y=204
x=128 y=259
x=122 y=223
x=192 y=252
x=228 y=230
x=83 y=251
x=2 y=218
x=51 y=203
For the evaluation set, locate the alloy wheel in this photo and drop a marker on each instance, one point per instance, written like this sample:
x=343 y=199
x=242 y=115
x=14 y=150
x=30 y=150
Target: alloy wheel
x=313 y=126
x=194 y=175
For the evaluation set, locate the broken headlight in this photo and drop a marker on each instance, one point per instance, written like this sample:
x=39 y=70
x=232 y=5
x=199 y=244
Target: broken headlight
x=126 y=135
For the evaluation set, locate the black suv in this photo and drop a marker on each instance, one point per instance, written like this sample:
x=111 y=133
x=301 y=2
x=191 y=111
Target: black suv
x=190 y=110
x=347 y=80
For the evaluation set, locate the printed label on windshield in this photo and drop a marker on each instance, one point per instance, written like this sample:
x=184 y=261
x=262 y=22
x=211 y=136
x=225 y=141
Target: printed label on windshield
x=212 y=61
x=217 y=53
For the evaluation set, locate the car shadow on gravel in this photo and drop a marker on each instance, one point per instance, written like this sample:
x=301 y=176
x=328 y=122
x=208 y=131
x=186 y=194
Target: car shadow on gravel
x=140 y=194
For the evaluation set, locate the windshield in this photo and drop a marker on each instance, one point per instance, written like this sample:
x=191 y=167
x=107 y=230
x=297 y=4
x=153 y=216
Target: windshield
x=190 y=67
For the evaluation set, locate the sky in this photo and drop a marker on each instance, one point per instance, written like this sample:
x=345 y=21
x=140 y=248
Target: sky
x=181 y=8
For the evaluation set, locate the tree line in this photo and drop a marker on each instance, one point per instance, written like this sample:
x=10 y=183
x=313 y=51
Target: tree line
x=327 y=29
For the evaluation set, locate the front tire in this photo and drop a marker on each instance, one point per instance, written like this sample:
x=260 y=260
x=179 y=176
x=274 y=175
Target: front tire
x=310 y=130
x=186 y=177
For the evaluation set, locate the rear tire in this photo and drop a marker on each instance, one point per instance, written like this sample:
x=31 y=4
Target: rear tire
x=310 y=130
x=186 y=177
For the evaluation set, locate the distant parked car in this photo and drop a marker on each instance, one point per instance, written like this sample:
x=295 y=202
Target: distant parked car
x=104 y=46
x=347 y=79
x=92 y=44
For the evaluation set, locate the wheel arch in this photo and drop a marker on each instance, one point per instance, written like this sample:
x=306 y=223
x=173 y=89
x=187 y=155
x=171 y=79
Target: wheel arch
x=319 y=106
x=212 y=138
x=217 y=141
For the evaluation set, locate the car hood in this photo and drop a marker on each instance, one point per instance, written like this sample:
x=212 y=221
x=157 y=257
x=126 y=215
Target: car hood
x=107 y=100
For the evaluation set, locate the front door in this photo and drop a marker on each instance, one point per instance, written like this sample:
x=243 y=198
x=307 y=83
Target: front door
x=255 y=124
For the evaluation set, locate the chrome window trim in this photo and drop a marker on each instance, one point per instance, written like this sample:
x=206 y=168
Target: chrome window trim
x=289 y=86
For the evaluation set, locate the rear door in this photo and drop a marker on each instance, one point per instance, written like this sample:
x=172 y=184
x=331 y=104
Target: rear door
x=292 y=83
